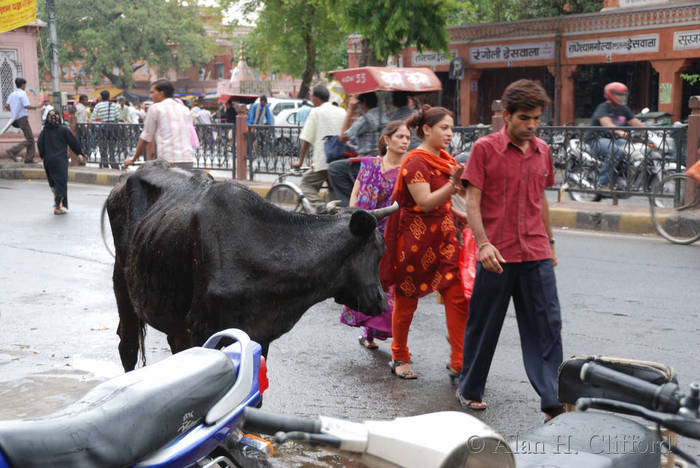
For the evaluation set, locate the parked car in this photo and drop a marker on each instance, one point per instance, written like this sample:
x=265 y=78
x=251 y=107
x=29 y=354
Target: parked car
x=277 y=105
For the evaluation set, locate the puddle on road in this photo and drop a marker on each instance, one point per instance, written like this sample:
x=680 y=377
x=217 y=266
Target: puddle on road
x=43 y=393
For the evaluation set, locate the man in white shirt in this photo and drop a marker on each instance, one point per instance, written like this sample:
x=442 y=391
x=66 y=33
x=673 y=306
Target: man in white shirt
x=204 y=117
x=168 y=123
x=134 y=112
x=18 y=104
x=81 y=109
x=45 y=109
x=324 y=120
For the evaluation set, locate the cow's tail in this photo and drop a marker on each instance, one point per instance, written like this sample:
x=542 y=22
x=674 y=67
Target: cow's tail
x=142 y=342
x=106 y=232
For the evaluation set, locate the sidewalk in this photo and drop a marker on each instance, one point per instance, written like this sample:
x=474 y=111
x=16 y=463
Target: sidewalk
x=626 y=218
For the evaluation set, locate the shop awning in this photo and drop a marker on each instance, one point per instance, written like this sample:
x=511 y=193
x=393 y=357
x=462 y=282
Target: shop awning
x=368 y=79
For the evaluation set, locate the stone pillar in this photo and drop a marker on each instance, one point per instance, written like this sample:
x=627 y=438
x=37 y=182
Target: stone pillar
x=670 y=85
x=497 y=120
x=469 y=90
x=241 y=146
x=693 y=138
x=567 y=96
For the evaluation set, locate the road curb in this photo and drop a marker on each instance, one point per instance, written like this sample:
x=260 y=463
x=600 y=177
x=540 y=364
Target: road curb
x=561 y=217
x=630 y=223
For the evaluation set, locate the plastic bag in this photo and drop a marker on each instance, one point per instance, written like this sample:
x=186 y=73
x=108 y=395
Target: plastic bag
x=694 y=172
x=467 y=261
x=194 y=139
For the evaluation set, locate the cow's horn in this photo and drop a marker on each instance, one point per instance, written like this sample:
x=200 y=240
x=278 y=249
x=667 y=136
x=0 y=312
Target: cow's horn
x=381 y=213
x=332 y=207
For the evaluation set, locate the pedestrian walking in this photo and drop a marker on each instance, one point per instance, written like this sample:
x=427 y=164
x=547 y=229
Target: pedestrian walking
x=422 y=250
x=324 y=120
x=373 y=188
x=53 y=141
x=18 y=104
x=107 y=133
x=506 y=176
x=168 y=123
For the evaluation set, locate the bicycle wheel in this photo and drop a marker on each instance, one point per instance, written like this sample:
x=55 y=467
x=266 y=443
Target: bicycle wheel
x=287 y=198
x=675 y=209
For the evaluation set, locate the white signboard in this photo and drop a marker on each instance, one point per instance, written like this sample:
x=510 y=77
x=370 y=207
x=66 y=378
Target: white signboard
x=428 y=59
x=613 y=45
x=512 y=52
x=686 y=40
x=640 y=3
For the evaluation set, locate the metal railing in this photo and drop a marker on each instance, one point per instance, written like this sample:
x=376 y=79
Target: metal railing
x=109 y=144
x=642 y=156
x=589 y=161
x=272 y=149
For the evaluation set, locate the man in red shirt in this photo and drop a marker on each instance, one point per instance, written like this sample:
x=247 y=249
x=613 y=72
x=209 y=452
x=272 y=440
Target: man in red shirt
x=506 y=176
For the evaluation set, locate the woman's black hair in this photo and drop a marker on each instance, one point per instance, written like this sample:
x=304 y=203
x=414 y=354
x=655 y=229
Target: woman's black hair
x=429 y=116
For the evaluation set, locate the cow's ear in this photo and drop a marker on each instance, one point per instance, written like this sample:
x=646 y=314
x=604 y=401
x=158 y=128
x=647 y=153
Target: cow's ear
x=362 y=223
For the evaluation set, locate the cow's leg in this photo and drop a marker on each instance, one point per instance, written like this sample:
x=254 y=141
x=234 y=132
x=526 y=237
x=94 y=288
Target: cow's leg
x=179 y=341
x=129 y=328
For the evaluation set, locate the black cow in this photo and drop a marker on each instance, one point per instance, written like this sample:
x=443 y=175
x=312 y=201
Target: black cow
x=194 y=256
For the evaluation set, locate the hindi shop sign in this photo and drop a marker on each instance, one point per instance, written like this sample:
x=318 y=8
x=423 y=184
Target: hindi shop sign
x=512 y=52
x=429 y=58
x=16 y=13
x=613 y=45
x=683 y=40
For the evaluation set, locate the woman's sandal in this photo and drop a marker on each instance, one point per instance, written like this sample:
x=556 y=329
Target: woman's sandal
x=367 y=343
x=59 y=211
x=470 y=404
x=454 y=375
x=408 y=375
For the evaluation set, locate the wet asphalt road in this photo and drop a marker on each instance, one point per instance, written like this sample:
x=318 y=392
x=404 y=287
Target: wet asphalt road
x=622 y=296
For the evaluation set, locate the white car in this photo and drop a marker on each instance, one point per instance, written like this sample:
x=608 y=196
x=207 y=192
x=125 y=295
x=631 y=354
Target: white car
x=287 y=118
x=277 y=105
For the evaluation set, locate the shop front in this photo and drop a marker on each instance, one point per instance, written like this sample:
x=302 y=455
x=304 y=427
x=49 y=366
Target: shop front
x=575 y=56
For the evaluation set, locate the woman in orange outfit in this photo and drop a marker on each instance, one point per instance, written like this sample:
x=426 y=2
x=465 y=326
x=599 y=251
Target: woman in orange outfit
x=422 y=249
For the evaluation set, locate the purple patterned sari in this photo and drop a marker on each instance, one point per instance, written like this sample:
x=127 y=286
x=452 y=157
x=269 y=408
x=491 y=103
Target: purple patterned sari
x=375 y=192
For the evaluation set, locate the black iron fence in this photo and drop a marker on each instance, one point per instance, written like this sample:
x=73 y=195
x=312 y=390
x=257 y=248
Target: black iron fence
x=587 y=160
x=109 y=144
x=594 y=161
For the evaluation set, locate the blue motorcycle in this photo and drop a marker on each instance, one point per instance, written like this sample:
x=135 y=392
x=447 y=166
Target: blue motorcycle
x=182 y=411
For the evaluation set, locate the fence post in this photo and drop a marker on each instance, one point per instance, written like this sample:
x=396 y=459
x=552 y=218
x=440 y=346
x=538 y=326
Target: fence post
x=497 y=121
x=693 y=139
x=241 y=147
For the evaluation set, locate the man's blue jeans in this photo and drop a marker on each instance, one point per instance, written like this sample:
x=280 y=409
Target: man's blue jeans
x=612 y=153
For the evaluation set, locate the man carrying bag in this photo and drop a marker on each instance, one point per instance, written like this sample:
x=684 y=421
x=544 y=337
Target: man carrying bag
x=18 y=104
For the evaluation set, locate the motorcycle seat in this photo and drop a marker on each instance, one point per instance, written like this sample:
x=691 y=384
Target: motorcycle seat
x=122 y=420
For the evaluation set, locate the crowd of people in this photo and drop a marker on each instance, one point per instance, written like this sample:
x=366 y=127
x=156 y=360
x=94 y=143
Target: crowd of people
x=503 y=183
x=510 y=243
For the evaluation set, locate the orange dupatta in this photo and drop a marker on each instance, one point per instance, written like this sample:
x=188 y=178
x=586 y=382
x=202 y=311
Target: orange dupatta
x=443 y=163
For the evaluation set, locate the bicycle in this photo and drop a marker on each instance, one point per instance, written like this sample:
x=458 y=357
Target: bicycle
x=288 y=195
x=675 y=208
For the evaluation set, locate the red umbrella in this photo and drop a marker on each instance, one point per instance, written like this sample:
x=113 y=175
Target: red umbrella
x=368 y=79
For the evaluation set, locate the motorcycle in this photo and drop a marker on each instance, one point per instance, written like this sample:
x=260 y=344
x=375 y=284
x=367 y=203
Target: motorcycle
x=180 y=412
x=647 y=157
x=574 y=439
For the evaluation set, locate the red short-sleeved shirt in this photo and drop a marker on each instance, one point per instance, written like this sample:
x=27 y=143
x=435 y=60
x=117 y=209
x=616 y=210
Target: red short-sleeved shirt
x=512 y=184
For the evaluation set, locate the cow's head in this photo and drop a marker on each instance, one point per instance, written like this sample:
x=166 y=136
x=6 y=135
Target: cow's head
x=361 y=289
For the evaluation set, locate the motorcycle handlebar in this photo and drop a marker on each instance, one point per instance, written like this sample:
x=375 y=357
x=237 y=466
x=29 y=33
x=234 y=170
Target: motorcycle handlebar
x=256 y=420
x=680 y=424
x=658 y=397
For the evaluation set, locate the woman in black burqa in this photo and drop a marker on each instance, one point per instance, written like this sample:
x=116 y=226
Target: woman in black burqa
x=53 y=140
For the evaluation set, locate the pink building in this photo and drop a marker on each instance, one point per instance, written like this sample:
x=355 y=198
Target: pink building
x=18 y=58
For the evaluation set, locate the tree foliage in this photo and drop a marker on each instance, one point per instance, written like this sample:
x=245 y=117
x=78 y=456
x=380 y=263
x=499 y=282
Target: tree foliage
x=489 y=11
x=389 y=26
x=297 y=37
x=110 y=36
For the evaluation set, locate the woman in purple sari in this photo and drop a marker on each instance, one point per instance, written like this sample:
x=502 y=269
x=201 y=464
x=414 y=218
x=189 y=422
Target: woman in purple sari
x=373 y=188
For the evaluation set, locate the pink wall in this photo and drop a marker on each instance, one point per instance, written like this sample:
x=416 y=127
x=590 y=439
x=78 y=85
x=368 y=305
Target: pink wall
x=23 y=40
